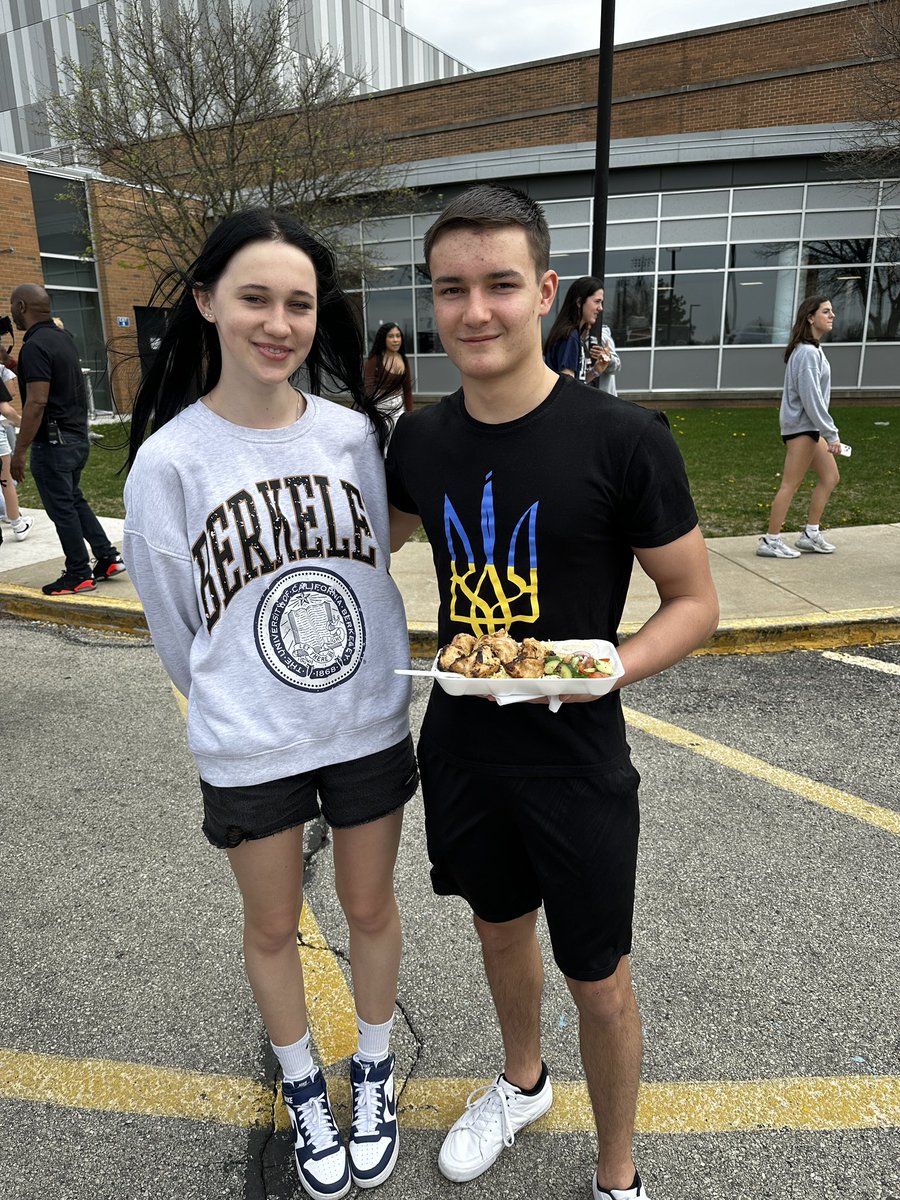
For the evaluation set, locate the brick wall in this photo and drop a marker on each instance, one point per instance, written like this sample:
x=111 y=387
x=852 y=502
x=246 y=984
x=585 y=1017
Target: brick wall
x=18 y=230
x=693 y=83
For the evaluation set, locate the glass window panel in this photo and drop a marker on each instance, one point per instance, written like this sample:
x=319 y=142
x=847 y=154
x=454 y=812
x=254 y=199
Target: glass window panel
x=575 y=237
x=889 y=224
x=680 y=369
x=694 y=204
x=69 y=272
x=377 y=229
x=634 y=373
x=880 y=368
x=689 y=309
x=60 y=223
x=395 y=307
x=628 y=310
x=638 y=233
x=841 y=195
x=753 y=367
x=80 y=313
x=765 y=228
x=691 y=258
x=888 y=250
x=422 y=222
x=570 y=264
x=436 y=376
x=378 y=276
x=631 y=262
x=764 y=254
x=427 y=340
x=759 y=307
x=630 y=208
x=767 y=200
x=423 y=275
x=830 y=225
x=844 y=363
x=708 y=229
x=388 y=253
x=836 y=251
x=884 y=310
x=846 y=287
x=567 y=212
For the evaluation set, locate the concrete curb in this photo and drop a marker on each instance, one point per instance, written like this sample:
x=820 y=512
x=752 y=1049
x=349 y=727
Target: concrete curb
x=749 y=635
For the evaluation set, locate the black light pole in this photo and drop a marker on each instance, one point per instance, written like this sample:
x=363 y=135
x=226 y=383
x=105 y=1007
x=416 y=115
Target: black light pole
x=604 y=130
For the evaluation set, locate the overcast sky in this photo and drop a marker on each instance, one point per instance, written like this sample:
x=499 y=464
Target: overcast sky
x=495 y=33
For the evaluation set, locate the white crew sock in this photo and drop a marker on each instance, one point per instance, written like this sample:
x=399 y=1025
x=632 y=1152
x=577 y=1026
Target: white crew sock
x=19 y=525
x=374 y=1040
x=296 y=1059
x=812 y=529
x=773 y=537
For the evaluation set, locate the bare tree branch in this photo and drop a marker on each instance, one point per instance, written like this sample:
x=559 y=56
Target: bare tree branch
x=208 y=112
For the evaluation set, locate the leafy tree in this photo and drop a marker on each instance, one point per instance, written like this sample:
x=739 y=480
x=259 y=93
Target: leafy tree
x=208 y=108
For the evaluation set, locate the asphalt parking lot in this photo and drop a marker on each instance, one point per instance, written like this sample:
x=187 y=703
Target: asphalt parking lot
x=132 y=1060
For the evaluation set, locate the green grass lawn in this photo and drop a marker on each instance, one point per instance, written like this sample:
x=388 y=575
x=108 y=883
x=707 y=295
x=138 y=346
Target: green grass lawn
x=734 y=458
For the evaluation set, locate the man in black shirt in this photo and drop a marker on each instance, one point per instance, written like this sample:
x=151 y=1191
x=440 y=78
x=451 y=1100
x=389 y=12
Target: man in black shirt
x=537 y=496
x=55 y=426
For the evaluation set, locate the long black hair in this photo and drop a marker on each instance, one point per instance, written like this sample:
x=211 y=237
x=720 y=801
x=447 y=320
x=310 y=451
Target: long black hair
x=569 y=315
x=801 y=331
x=379 y=342
x=188 y=362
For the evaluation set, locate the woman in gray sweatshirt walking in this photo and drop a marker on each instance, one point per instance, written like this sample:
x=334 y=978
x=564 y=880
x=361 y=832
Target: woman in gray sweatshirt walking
x=807 y=430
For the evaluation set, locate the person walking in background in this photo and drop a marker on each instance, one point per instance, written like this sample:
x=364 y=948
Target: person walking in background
x=9 y=422
x=571 y=349
x=256 y=533
x=55 y=427
x=810 y=435
x=388 y=375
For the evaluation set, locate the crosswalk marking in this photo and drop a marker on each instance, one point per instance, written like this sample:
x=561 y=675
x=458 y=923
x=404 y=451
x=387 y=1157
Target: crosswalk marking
x=860 y=660
x=719 y=1106
x=819 y=793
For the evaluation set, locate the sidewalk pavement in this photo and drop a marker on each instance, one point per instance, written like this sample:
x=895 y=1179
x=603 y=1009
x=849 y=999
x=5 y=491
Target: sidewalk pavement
x=851 y=597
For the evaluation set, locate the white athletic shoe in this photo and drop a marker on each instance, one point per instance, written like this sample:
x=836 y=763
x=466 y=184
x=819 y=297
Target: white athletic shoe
x=814 y=542
x=638 y=1192
x=20 y=531
x=775 y=548
x=494 y=1115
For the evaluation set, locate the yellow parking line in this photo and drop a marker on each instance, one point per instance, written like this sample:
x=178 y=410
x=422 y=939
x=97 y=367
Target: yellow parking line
x=329 y=1004
x=820 y=1103
x=860 y=660
x=788 y=781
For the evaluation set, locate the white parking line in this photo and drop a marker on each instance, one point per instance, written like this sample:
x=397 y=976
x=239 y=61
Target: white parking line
x=860 y=660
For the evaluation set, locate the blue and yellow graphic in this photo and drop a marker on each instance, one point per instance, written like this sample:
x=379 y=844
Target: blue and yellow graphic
x=489 y=601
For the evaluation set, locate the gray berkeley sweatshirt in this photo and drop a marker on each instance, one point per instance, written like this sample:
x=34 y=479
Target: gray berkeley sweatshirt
x=261 y=559
x=807 y=393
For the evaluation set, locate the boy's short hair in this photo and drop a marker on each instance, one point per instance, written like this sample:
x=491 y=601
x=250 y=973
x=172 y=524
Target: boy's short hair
x=495 y=205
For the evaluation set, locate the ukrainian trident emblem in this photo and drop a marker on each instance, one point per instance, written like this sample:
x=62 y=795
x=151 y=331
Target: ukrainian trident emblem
x=500 y=593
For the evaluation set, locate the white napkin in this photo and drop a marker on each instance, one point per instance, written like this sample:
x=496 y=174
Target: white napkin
x=554 y=702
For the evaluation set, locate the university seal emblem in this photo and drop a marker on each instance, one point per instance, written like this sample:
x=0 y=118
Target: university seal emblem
x=309 y=629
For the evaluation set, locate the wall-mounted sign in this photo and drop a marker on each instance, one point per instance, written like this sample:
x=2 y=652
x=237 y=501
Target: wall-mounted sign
x=123 y=322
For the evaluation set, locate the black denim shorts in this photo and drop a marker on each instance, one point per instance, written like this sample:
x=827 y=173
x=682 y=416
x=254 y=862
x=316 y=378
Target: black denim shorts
x=350 y=793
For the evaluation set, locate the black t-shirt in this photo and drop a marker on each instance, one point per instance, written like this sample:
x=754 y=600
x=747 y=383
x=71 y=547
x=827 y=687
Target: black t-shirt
x=532 y=525
x=49 y=355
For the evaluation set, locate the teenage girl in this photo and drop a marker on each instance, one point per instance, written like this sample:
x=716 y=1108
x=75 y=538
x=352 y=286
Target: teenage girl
x=387 y=373
x=257 y=537
x=810 y=435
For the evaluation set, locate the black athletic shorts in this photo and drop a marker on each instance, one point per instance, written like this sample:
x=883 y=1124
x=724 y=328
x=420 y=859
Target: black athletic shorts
x=351 y=793
x=508 y=844
x=811 y=433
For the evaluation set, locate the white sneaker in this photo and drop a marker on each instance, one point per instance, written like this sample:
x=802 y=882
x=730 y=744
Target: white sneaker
x=20 y=531
x=775 y=548
x=494 y=1115
x=814 y=542
x=638 y=1192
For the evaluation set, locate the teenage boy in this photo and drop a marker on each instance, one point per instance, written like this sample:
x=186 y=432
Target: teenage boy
x=536 y=497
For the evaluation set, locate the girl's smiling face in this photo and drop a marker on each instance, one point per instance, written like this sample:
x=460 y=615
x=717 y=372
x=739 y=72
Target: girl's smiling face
x=264 y=308
x=393 y=340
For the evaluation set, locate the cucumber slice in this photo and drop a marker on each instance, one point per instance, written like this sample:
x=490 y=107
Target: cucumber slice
x=566 y=671
x=550 y=665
